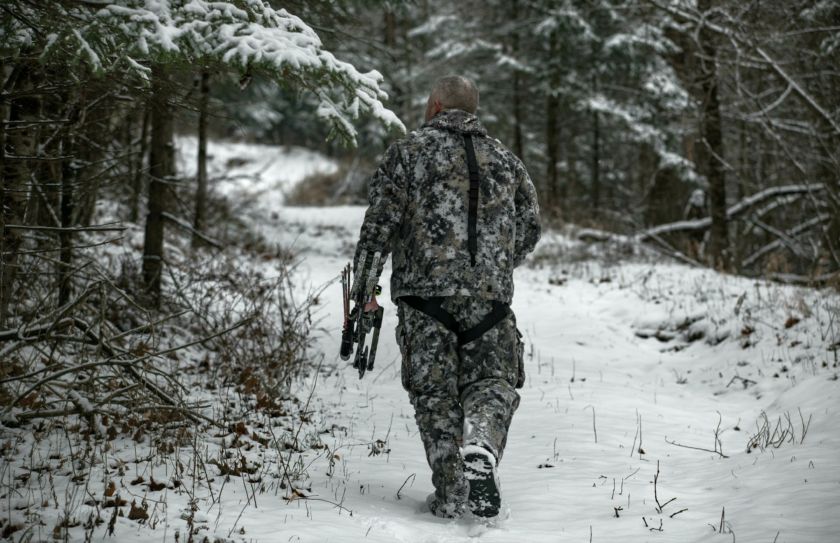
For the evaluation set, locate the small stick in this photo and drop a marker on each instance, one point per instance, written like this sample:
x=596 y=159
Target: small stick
x=412 y=476
x=695 y=448
x=804 y=429
x=660 y=506
x=594 y=430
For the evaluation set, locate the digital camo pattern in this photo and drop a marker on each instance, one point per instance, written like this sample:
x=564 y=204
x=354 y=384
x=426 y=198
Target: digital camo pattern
x=461 y=395
x=418 y=211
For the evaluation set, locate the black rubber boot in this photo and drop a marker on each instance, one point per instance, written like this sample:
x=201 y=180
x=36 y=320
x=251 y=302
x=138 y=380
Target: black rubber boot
x=485 y=497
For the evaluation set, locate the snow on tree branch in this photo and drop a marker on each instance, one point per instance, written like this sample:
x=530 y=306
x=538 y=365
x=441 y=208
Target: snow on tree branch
x=642 y=131
x=247 y=35
x=733 y=211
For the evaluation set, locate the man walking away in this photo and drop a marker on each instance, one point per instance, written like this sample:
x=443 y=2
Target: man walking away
x=459 y=213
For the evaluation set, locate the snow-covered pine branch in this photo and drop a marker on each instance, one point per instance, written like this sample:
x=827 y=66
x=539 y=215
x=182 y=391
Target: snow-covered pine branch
x=641 y=128
x=247 y=35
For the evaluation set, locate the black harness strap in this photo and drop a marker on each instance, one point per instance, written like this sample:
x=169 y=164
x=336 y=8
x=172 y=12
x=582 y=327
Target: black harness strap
x=496 y=315
x=472 y=214
x=433 y=307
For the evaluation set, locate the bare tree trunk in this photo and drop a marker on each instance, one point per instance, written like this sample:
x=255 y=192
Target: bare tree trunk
x=137 y=181
x=596 y=162
x=571 y=189
x=401 y=99
x=161 y=169
x=408 y=107
x=90 y=180
x=68 y=180
x=201 y=189
x=43 y=195
x=518 y=146
x=390 y=28
x=831 y=236
x=552 y=111
x=552 y=152
x=20 y=143
x=712 y=146
x=4 y=246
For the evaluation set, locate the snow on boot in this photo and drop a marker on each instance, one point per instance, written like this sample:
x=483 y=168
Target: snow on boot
x=480 y=470
x=443 y=510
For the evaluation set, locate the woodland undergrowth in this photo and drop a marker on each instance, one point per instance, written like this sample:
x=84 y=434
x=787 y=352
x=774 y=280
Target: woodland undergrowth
x=114 y=412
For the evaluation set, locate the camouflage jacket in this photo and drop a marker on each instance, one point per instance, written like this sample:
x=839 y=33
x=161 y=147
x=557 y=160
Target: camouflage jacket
x=418 y=211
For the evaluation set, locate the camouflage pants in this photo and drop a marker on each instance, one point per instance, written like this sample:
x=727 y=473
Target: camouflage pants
x=461 y=395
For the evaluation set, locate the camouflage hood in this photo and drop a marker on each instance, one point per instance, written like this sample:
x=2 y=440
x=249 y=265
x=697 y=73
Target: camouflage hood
x=456 y=120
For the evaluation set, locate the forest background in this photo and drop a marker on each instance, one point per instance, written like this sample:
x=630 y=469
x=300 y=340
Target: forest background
x=708 y=131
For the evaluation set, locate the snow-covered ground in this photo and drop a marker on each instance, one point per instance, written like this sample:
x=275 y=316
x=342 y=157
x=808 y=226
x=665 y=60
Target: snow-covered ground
x=646 y=382
x=252 y=172
x=597 y=395
x=629 y=366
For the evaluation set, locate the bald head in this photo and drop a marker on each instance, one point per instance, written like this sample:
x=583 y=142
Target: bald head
x=452 y=92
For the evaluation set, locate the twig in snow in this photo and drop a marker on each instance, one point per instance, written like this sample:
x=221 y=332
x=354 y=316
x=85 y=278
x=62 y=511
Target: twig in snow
x=638 y=434
x=412 y=476
x=718 y=442
x=746 y=382
x=594 y=429
x=695 y=448
x=659 y=506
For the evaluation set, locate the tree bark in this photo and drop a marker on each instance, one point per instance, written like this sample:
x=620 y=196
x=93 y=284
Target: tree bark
x=552 y=139
x=712 y=146
x=89 y=180
x=571 y=190
x=137 y=181
x=596 y=162
x=518 y=100
x=201 y=177
x=65 y=237
x=161 y=170
x=5 y=254
x=552 y=151
x=15 y=173
x=400 y=98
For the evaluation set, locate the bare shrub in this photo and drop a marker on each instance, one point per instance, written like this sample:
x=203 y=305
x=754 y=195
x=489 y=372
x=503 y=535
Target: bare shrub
x=270 y=323
x=200 y=386
x=784 y=430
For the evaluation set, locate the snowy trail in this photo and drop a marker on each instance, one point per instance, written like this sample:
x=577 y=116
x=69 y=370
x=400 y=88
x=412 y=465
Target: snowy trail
x=645 y=383
x=587 y=362
x=582 y=322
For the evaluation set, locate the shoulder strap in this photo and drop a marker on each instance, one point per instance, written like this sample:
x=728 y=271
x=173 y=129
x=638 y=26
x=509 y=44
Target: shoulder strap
x=472 y=214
